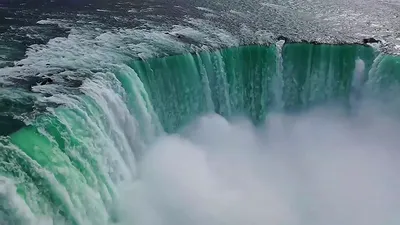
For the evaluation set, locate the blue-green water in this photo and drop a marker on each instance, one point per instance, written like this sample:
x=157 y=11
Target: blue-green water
x=67 y=166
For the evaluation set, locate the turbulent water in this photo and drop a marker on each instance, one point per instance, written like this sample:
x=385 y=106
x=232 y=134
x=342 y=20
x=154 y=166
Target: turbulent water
x=148 y=121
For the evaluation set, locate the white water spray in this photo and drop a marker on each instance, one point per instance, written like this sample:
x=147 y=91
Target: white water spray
x=358 y=76
x=316 y=168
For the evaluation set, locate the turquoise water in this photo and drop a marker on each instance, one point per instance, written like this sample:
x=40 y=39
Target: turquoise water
x=68 y=165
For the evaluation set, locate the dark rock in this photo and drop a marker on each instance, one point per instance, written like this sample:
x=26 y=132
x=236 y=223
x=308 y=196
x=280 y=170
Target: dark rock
x=370 y=40
x=47 y=81
x=280 y=38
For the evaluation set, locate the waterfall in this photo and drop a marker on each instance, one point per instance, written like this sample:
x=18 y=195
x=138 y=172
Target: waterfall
x=68 y=164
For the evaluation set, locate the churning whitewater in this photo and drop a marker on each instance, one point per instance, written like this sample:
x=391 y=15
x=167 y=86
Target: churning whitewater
x=199 y=112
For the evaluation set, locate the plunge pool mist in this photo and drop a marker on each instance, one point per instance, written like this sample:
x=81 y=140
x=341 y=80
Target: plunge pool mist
x=318 y=167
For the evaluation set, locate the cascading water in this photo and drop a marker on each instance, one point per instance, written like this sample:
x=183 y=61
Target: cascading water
x=196 y=126
x=69 y=163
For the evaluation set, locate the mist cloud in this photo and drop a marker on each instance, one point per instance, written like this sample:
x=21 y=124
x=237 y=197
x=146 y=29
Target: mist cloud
x=321 y=167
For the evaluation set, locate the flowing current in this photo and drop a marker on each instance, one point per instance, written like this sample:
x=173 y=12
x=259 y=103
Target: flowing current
x=182 y=121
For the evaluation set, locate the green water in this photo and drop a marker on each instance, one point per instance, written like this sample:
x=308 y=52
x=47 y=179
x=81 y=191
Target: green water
x=250 y=80
x=67 y=165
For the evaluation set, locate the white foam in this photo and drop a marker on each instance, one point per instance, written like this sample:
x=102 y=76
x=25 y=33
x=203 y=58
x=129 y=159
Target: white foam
x=205 y=9
x=103 y=10
x=97 y=49
x=59 y=22
x=12 y=202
